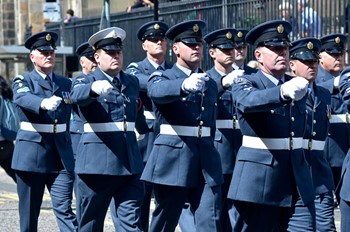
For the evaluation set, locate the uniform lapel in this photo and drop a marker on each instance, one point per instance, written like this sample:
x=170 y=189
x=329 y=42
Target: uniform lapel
x=55 y=83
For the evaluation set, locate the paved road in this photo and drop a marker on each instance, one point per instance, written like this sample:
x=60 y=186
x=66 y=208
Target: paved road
x=9 y=220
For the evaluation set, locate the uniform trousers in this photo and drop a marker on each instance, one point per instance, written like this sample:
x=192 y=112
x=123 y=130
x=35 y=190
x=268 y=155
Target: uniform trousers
x=324 y=204
x=345 y=215
x=97 y=191
x=205 y=202
x=30 y=188
x=186 y=221
x=252 y=217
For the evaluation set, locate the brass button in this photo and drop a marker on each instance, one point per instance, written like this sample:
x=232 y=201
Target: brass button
x=292 y=133
x=314 y=121
x=56 y=120
x=124 y=116
x=314 y=133
x=202 y=108
x=201 y=123
x=292 y=118
x=272 y=111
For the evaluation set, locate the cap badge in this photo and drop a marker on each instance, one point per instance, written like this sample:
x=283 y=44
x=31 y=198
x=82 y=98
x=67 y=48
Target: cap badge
x=156 y=26
x=229 y=35
x=310 y=45
x=195 y=28
x=337 y=40
x=114 y=35
x=280 y=29
x=48 y=37
x=240 y=34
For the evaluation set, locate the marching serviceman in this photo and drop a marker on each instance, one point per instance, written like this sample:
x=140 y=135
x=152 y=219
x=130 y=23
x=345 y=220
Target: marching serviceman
x=152 y=35
x=338 y=142
x=344 y=87
x=228 y=137
x=184 y=165
x=88 y=64
x=43 y=155
x=270 y=173
x=108 y=164
x=304 y=56
x=241 y=53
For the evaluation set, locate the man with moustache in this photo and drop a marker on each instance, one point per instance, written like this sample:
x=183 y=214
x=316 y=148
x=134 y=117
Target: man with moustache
x=184 y=165
x=152 y=35
x=304 y=56
x=270 y=173
x=330 y=66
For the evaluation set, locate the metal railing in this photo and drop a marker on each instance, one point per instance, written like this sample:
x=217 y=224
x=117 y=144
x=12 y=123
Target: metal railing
x=331 y=18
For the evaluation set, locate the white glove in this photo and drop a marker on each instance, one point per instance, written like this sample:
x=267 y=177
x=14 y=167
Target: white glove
x=336 y=82
x=102 y=87
x=195 y=82
x=229 y=79
x=295 y=89
x=51 y=103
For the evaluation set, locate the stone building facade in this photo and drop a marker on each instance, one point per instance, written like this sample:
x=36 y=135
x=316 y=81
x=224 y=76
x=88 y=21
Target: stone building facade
x=19 y=18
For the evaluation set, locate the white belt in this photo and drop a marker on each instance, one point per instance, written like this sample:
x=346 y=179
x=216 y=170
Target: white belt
x=193 y=131
x=340 y=118
x=272 y=144
x=43 y=128
x=149 y=115
x=109 y=126
x=313 y=144
x=227 y=124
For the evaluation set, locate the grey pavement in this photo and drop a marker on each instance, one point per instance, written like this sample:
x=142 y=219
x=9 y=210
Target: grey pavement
x=9 y=219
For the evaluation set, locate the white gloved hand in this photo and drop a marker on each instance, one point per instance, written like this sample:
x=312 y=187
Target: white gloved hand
x=336 y=82
x=295 y=89
x=51 y=103
x=195 y=82
x=101 y=87
x=229 y=79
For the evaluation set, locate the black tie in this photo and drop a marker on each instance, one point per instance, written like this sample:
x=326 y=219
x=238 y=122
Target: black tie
x=116 y=81
x=48 y=79
x=160 y=68
x=280 y=82
x=311 y=96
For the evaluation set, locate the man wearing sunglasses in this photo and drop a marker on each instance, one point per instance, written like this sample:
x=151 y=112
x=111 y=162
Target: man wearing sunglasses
x=184 y=165
x=331 y=65
x=304 y=57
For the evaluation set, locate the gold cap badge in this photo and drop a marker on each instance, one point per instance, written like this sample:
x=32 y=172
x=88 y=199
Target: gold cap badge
x=156 y=26
x=229 y=35
x=310 y=45
x=195 y=28
x=337 y=40
x=240 y=34
x=280 y=29
x=48 y=37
